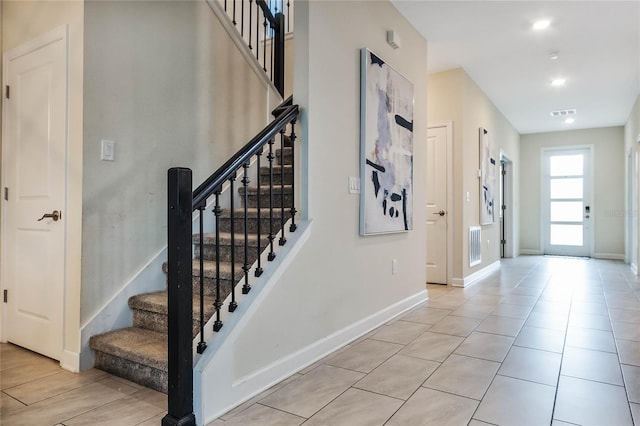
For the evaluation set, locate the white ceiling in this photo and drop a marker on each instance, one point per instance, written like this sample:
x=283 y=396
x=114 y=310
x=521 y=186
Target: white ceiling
x=598 y=43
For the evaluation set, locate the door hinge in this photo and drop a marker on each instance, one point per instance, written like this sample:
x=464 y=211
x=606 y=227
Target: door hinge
x=504 y=207
x=6 y=297
x=503 y=242
x=7 y=91
x=504 y=172
x=6 y=193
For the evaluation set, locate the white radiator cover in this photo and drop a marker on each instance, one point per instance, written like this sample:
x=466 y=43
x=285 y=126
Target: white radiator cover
x=475 y=245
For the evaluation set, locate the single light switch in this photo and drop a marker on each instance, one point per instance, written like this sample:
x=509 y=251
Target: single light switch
x=107 y=152
x=354 y=185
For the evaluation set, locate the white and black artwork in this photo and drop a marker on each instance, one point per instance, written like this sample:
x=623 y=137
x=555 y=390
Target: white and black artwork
x=386 y=198
x=487 y=180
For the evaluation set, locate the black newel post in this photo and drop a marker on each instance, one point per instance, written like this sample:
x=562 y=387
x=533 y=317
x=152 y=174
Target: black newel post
x=180 y=292
x=278 y=42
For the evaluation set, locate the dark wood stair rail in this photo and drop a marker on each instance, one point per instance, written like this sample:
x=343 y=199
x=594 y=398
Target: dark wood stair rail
x=182 y=203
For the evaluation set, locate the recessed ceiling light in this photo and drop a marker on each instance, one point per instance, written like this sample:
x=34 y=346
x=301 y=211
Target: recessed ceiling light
x=554 y=55
x=541 y=24
x=569 y=120
x=558 y=82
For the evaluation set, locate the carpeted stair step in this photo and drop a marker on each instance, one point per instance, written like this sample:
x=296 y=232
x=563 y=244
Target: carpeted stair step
x=225 y=246
x=288 y=155
x=133 y=353
x=264 y=196
x=150 y=311
x=210 y=277
x=277 y=175
x=252 y=220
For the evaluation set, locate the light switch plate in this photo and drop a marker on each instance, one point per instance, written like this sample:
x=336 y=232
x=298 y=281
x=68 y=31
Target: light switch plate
x=107 y=150
x=354 y=185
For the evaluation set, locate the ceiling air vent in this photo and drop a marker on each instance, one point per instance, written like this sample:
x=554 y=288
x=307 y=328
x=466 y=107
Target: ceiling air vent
x=563 y=113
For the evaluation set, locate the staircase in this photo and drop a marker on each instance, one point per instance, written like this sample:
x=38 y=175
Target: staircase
x=139 y=353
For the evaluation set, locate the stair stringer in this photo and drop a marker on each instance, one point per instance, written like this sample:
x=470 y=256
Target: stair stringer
x=216 y=388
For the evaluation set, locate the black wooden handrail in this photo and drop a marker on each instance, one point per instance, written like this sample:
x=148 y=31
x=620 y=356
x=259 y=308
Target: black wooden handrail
x=215 y=181
x=267 y=12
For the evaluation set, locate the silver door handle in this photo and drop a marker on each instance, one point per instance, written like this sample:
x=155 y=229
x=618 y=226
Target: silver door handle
x=441 y=213
x=55 y=215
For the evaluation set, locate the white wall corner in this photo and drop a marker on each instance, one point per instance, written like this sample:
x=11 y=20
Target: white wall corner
x=70 y=361
x=478 y=275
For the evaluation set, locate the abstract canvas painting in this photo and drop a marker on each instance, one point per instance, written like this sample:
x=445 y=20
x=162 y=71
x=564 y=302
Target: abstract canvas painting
x=487 y=180
x=386 y=145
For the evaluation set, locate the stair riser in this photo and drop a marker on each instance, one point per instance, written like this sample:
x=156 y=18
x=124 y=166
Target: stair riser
x=210 y=285
x=225 y=252
x=157 y=321
x=144 y=375
x=288 y=157
x=277 y=177
x=252 y=224
x=264 y=201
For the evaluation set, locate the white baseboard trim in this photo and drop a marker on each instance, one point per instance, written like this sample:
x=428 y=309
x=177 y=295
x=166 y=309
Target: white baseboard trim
x=634 y=268
x=70 y=361
x=530 y=252
x=609 y=256
x=222 y=391
x=478 y=275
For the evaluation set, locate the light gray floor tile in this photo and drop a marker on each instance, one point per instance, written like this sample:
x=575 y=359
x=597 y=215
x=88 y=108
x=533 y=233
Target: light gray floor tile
x=454 y=325
x=626 y=331
x=635 y=411
x=587 y=338
x=309 y=393
x=475 y=422
x=365 y=356
x=8 y=404
x=597 y=322
x=547 y=320
x=625 y=315
x=401 y=332
x=430 y=407
x=425 y=315
x=55 y=384
x=491 y=347
x=511 y=311
x=549 y=307
x=585 y=402
x=631 y=375
x=589 y=308
x=124 y=411
x=512 y=401
x=501 y=325
x=323 y=360
x=240 y=408
x=474 y=310
x=432 y=346
x=464 y=376
x=591 y=365
x=398 y=377
x=629 y=352
x=262 y=415
x=516 y=299
x=532 y=364
x=31 y=370
x=356 y=407
x=541 y=338
x=156 y=420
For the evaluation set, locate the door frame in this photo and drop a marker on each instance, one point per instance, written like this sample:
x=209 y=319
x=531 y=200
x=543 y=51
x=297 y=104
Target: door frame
x=448 y=125
x=592 y=204
x=507 y=213
x=631 y=234
x=70 y=357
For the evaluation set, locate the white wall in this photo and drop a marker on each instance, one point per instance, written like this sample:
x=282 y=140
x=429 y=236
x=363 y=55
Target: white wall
x=631 y=138
x=339 y=280
x=23 y=21
x=164 y=81
x=608 y=187
x=454 y=96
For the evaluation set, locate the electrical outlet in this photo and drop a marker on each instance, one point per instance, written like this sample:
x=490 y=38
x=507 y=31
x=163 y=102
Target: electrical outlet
x=394 y=266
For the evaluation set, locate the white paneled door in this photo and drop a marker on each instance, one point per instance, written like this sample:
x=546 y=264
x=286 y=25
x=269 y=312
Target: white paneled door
x=34 y=164
x=567 y=210
x=437 y=252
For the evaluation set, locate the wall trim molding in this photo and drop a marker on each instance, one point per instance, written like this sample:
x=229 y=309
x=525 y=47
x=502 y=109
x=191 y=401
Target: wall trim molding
x=531 y=252
x=70 y=361
x=478 y=275
x=609 y=256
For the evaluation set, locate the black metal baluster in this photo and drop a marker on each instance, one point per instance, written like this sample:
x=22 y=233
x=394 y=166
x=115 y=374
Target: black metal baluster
x=292 y=140
x=233 y=304
x=288 y=14
x=242 y=18
x=217 y=325
x=259 y=270
x=282 y=241
x=250 y=23
x=264 y=45
x=245 y=267
x=225 y=5
x=234 y=12
x=201 y=344
x=271 y=157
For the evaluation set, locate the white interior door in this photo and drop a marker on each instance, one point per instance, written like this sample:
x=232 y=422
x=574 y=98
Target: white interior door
x=437 y=251
x=567 y=210
x=34 y=163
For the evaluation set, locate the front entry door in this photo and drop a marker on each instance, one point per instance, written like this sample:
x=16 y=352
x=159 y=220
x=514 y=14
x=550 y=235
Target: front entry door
x=34 y=163
x=567 y=210
x=437 y=205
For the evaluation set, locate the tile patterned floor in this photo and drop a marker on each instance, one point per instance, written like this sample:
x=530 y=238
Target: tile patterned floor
x=543 y=341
